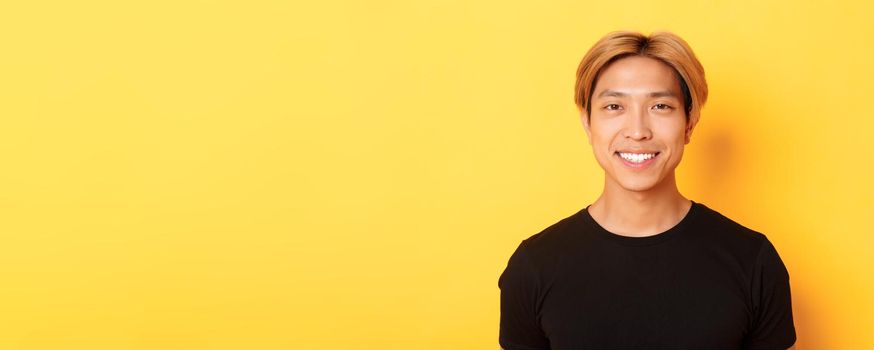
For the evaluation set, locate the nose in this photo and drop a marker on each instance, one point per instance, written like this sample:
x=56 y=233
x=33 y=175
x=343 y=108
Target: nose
x=637 y=125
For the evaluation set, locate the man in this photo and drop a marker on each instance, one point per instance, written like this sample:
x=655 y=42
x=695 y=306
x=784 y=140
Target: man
x=643 y=267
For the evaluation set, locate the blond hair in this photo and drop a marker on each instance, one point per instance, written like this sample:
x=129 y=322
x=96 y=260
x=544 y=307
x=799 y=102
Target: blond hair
x=663 y=46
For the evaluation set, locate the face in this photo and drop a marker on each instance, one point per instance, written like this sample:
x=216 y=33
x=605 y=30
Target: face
x=637 y=126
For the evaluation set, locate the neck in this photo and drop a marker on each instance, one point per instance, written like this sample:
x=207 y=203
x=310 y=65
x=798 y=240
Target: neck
x=640 y=213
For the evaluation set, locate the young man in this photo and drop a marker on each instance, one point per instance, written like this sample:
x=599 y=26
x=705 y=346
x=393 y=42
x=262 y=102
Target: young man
x=643 y=267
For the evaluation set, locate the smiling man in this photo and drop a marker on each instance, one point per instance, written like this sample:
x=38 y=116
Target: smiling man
x=643 y=267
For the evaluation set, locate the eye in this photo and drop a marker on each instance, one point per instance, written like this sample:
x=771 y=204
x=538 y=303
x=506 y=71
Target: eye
x=662 y=106
x=611 y=107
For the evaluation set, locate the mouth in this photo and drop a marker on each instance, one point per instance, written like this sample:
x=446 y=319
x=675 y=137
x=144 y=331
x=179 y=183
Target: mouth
x=637 y=159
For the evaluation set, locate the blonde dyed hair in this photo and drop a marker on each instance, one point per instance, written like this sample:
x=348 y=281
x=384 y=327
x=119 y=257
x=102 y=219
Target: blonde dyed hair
x=663 y=46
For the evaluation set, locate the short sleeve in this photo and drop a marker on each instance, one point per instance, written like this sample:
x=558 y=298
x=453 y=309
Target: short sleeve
x=772 y=325
x=519 y=328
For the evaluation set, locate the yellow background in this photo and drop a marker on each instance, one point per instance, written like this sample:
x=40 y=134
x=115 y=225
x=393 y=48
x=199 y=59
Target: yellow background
x=355 y=174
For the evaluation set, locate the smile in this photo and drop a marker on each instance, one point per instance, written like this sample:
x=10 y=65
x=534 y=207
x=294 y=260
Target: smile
x=637 y=160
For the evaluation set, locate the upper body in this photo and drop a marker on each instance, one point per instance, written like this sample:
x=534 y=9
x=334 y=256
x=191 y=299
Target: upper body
x=705 y=283
x=640 y=99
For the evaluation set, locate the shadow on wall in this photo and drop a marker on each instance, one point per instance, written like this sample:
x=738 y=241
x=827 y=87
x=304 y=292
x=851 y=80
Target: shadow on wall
x=735 y=176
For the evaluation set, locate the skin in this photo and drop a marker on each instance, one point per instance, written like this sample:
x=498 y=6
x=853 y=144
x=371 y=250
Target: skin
x=637 y=104
x=638 y=202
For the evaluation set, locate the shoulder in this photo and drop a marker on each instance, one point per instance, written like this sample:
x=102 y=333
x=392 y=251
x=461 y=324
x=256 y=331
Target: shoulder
x=717 y=222
x=721 y=232
x=543 y=251
x=527 y=261
x=556 y=236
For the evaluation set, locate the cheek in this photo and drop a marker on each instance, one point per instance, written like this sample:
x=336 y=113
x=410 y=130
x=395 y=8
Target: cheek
x=602 y=149
x=673 y=133
x=600 y=142
x=604 y=132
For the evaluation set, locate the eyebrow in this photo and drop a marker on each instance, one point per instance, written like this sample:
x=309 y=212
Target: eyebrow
x=614 y=93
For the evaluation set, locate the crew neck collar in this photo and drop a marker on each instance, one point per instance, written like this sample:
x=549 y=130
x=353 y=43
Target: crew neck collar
x=641 y=241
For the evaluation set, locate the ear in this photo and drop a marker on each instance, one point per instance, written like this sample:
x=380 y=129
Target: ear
x=690 y=126
x=584 y=118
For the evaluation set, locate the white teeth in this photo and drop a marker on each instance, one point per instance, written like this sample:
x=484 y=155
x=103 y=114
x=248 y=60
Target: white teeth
x=636 y=157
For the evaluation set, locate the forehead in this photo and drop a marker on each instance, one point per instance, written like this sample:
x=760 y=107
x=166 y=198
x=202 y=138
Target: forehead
x=637 y=75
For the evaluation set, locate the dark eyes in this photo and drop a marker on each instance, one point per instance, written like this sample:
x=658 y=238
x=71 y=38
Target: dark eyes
x=659 y=106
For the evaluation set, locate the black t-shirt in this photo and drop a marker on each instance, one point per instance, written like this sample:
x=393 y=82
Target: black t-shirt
x=706 y=283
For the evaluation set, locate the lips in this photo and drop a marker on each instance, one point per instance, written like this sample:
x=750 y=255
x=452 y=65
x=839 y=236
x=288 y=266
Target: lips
x=637 y=159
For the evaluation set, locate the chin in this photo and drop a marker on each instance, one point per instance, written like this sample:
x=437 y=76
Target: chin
x=638 y=186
